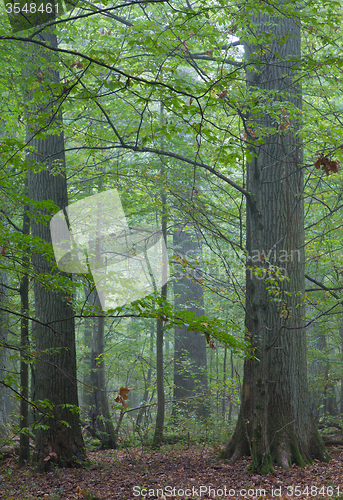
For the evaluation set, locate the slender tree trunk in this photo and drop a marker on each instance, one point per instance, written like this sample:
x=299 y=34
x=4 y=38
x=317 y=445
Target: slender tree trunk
x=224 y=383
x=158 y=436
x=95 y=413
x=143 y=411
x=86 y=399
x=275 y=423
x=102 y=425
x=341 y=405
x=24 y=447
x=330 y=402
x=231 y=404
x=3 y=326
x=108 y=440
x=58 y=438
x=317 y=374
x=3 y=350
x=316 y=340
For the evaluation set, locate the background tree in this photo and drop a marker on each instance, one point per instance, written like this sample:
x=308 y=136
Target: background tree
x=190 y=363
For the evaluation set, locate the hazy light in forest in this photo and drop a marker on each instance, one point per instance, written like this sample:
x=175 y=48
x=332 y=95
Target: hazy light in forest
x=126 y=263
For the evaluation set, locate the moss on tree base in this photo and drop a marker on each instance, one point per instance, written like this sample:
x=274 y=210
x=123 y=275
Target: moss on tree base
x=284 y=448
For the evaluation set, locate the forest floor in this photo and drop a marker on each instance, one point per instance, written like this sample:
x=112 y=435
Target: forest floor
x=171 y=473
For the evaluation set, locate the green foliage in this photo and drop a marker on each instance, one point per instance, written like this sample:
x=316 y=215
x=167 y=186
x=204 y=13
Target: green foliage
x=165 y=89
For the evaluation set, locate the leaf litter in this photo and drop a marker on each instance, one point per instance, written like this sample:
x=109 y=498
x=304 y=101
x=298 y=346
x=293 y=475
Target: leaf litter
x=171 y=473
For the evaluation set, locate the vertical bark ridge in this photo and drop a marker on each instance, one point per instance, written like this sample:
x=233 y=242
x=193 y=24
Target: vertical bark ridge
x=275 y=424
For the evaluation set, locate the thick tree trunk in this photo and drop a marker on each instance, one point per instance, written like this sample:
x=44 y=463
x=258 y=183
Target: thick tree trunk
x=275 y=423
x=58 y=438
x=190 y=362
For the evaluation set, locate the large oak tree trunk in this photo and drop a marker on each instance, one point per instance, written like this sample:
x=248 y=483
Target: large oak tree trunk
x=59 y=439
x=275 y=422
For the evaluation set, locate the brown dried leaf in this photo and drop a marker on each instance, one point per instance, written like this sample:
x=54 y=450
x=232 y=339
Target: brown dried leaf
x=123 y=391
x=318 y=162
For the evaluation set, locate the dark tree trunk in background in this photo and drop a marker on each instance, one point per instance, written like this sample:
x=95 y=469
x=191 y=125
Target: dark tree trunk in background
x=101 y=417
x=158 y=436
x=101 y=421
x=316 y=371
x=86 y=392
x=143 y=411
x=322 y=396
x=55 y=371
x=3 y=321
x=224 y=382
x=24 y=448
x=341 y=404
x=159 y=424
x=231 y=395
x=330 y=402
x=275 y=423
x=190 y=362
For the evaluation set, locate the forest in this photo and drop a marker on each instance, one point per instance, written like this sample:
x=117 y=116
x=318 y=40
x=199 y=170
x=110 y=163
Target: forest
x=171 y=266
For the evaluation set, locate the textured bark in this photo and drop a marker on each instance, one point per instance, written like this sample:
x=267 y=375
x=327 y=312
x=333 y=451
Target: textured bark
x=55 y=372
x=190 y=362
x=275 y=422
